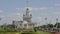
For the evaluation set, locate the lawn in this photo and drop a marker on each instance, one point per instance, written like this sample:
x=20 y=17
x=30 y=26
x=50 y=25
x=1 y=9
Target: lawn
x=38 y=32
x=41 y=32
x=10 y=33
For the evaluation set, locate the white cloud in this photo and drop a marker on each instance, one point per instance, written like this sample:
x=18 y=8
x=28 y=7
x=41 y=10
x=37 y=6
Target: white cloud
x=31 y=8
x=57 y=12
x=17 y=8
x=15 y=15
x=11 y=17
x=43 y=8
x=20 y=9
x=1 y=11
x=2 y=16
x=57 y=4
x=38 y=17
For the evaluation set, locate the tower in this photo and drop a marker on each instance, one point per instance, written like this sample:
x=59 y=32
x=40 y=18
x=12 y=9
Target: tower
x=27 y=16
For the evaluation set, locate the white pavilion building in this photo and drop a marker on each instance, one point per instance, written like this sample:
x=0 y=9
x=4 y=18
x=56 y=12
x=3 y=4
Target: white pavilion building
x=26 y=23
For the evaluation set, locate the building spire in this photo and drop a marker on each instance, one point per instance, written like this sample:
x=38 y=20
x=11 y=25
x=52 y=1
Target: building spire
x=27 y=17
x=27 y=2
x=27 y=9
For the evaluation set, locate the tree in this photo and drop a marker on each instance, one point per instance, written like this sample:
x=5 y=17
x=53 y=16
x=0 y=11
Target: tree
x=35 y=29
x=8 y=27
x=57 y=25
x=50 y=25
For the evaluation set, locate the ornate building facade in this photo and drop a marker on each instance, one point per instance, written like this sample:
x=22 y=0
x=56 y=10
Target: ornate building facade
x=26 y=23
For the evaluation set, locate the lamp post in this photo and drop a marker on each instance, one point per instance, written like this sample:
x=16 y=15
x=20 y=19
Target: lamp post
x=56 y=21
x=0 y=20
x=46 y=22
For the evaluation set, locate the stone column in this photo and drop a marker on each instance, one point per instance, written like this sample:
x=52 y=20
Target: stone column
x=27 y=26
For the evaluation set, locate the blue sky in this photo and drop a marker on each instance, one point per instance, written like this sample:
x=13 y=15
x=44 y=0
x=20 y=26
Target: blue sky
x=40 y=9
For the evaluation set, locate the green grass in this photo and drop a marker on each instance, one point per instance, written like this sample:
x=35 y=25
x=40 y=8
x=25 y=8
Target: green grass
x=10 y=33
x=38 y=32
x=43 y=32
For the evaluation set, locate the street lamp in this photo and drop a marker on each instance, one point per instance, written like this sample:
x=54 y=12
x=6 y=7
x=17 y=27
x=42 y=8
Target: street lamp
x=0 y=18
x=56 y=21
x=46 y=22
